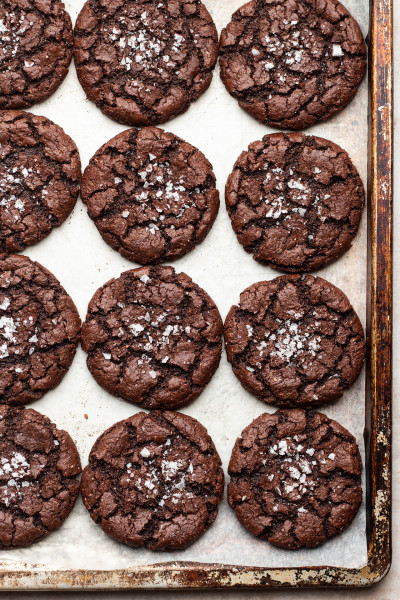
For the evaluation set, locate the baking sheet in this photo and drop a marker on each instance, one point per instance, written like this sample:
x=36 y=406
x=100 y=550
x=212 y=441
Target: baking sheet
x=76 y=254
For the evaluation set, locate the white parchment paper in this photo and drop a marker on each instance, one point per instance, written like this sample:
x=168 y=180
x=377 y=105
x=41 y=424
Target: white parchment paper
x=76 y=254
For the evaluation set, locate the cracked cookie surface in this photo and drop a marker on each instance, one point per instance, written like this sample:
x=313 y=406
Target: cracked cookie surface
x=154 y=480
x=38 y=468
x=151 y=195
x=39 y=330
x=295 y=201
x=40 y=174
x=36 y=44
x=292 y=63
x=295 y=478
x=153 y=337
x=143 y=62
x=295 y=341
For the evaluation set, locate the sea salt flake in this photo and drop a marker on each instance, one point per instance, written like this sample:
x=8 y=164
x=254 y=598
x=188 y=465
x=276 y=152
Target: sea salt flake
x=283 y=447
x=295 y=473
x=5 y=304
x=337 y=50
x=8 y=327
x=136 y=328
x=295 y=184
x=149 y=484
x=249 y=330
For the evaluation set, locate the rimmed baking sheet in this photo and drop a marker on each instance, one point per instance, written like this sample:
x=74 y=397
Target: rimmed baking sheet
x=76 y=254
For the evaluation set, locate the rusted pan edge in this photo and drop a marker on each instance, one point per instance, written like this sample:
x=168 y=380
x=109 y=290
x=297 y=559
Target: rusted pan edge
x=196 y=575
x=380 y=246
x=188 y=575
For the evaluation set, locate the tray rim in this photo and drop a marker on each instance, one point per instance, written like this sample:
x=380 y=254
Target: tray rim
x=191 y=575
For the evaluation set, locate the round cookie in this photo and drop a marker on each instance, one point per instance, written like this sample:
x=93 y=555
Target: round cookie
x=292 y=63
x=143 y=62
x=295 y=341
x=295 y=201
x=39 y=330
x=154 y=480
x=40 y=175
x=38 y=485
x=151 y=195
x=36 y=43
x=295 y=478
x=153 y=337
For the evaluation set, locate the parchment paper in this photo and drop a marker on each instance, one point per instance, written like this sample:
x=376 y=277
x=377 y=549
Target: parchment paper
x=76 y=254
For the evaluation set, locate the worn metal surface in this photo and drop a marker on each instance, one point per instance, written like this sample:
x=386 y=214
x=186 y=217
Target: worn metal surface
x=378 y=422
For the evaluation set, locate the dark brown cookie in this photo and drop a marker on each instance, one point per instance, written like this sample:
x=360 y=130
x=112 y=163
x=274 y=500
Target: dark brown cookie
x=38 y=468
x=295 y=341
x=39 y=330
x=142 y=61
x=154 y=480
x=40 y=174
x=153 y=337
x=292 y=63
x=36 y=43
x=151 y=195
x=295 y=478
x=295 y=201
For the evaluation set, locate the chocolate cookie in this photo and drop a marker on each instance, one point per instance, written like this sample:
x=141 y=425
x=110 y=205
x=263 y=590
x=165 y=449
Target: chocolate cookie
x=295 y=341
x=295 y=201
x=39 y=330
x=143 y=62
x=154 y=480
x=39 y=178
x=36 y=43
x=292 y=63
x=151 y=195
x=152 y=337
x=38 y=467
x=295 y=478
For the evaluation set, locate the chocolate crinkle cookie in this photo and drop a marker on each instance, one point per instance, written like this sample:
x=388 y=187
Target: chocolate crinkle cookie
x=292 y=63
x=143 y=62
x=151 y=195
x=39 y=330
x=295 y=201
x=36 y=43
x=38 y=468
x=154 y=480
x=295 y=341
x=295 y=478
x=40 y=173
x=152 y=337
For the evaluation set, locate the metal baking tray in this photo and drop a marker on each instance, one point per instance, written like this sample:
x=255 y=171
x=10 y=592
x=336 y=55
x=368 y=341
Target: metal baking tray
x=80 y=555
